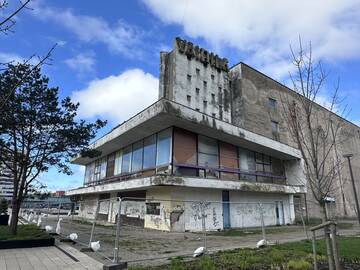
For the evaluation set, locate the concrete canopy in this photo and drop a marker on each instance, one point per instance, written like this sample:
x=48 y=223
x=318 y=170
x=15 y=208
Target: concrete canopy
x=164 y=113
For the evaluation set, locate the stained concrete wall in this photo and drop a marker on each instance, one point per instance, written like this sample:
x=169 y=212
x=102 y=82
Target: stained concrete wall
x=193 y=84
x=245 y=209
x=251 y=91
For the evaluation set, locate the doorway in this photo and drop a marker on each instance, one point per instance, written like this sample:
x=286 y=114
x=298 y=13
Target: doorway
x=226 y=208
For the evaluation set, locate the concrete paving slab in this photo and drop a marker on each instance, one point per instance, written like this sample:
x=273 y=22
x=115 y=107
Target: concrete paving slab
x=45 y=258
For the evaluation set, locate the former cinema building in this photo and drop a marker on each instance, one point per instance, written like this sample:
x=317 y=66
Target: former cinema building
x=215 y=134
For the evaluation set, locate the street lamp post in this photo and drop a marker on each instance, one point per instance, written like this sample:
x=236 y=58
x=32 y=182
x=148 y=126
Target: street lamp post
x=348 y=156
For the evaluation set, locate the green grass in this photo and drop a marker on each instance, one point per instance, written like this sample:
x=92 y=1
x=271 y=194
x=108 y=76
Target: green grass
x=24 y=232
x=245 y=232
x=290 y=256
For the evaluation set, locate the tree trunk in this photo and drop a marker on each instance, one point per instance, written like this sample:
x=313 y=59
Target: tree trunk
x=329 y=251
x=14 y=216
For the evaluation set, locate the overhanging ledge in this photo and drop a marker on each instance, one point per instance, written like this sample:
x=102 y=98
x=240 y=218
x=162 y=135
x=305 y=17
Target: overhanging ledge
x=155 y=181
x=165 y=113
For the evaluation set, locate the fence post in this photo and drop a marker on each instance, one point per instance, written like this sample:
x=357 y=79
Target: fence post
x=59 y=211
x=303 y=223
x=334 y=246
x=262 y=222
x=203 y=222
x=314 y=249
x=117 y=242
x=94 y=223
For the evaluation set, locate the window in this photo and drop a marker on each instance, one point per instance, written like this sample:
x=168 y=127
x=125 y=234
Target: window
x=89 y=172
x=185 y=152
x=153 y=209
x=197 y=71
x=271 y=103
x=208 y=154
x=213 y=97
x=149 y=152
x=213 y=114
x=263 y=163
x=189 y=78
x=163 y=147
x=220 y=89
x=126 y=160
x=137 y=156
x=188 y=98
x=100 y=169
x=275 y=129
x=212 y=77
x=118 y=161
x=110 y=165
x=205 y=104
x=197 y=91
x=205 y=84
x=247 y=163
x=197 y=109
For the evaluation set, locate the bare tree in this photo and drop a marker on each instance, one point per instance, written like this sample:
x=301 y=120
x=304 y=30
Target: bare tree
x=315 y=130
x=9 y=21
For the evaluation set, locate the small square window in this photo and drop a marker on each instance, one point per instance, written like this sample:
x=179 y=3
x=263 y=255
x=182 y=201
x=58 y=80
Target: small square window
x=153 y=209
x=213 y=115
x=205 y=103
x=205 y=84
x=220 y=89
x=197 y=90
x=197 y=71
x=212 y=77
x=213 y=97
x=272 y=103
x=188 y=97
x=274 y=126
x=197 y=109
x=189 y=78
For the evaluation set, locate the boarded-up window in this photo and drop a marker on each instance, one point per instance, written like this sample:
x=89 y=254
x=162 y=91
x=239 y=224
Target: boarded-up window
x=228 y=160
x=110 y=165
x=185 y=152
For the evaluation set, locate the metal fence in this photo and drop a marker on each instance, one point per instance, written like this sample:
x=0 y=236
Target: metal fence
x=154 y=230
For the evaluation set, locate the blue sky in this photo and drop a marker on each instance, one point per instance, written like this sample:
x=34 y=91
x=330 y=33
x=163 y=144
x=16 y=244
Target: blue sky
x=107 y=56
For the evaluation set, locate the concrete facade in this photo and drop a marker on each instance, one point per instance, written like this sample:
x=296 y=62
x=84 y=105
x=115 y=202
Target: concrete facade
x=241 y=169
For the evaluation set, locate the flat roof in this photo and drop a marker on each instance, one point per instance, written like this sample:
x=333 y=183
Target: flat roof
x=165 y=113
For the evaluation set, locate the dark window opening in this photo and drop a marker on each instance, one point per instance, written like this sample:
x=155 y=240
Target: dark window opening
x=271 y=103
x=197 y=71
x=197 y=91
x=212 y=77
x=153 y=209
x=188 y=97
x=189 y=77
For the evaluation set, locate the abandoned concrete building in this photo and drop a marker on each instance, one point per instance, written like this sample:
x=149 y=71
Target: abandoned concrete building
x=215 y=134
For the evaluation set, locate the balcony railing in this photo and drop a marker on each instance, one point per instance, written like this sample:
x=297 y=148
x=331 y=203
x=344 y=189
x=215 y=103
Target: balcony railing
x=202 y=172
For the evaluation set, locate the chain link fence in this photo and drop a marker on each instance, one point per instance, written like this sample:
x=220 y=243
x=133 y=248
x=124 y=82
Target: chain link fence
x=153 y=230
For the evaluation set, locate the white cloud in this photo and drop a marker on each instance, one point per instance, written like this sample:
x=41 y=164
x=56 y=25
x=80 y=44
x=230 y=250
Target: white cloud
x=10 y=57
x=118 y=97
x=119 y=37
x=82 y=63
x=264 y=29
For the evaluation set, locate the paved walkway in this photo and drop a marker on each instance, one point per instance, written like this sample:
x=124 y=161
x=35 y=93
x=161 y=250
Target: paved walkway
x=43 y=258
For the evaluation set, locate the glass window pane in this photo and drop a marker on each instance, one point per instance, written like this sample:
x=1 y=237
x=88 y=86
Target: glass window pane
x=149 y=152
x=208 y=145
x=103 y=168
x=137 y=155
x=89 y=172
x=126 y=160
x=163 y=147
x=267 y=159
x=259 y=167
x=118 y=160
x=259 y=158
x=208 y=160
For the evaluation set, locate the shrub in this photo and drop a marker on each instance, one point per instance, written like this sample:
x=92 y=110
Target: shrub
x=206 y=263
x=299 y=265
x=3 y=207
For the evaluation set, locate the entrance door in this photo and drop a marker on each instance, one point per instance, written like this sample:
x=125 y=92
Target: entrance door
x=226 y=209
x=280 y=219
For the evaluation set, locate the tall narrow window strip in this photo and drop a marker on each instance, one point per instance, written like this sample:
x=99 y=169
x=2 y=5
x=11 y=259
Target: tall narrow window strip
x=126 y=160
x=103 y=168
x=149 y=152
x=208 y=152
x=137 y=156
x=118 y=161
x=110 y=168
x=163 y=147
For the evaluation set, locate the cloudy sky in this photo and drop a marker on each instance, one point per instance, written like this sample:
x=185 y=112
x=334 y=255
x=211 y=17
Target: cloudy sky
x=107 y=56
